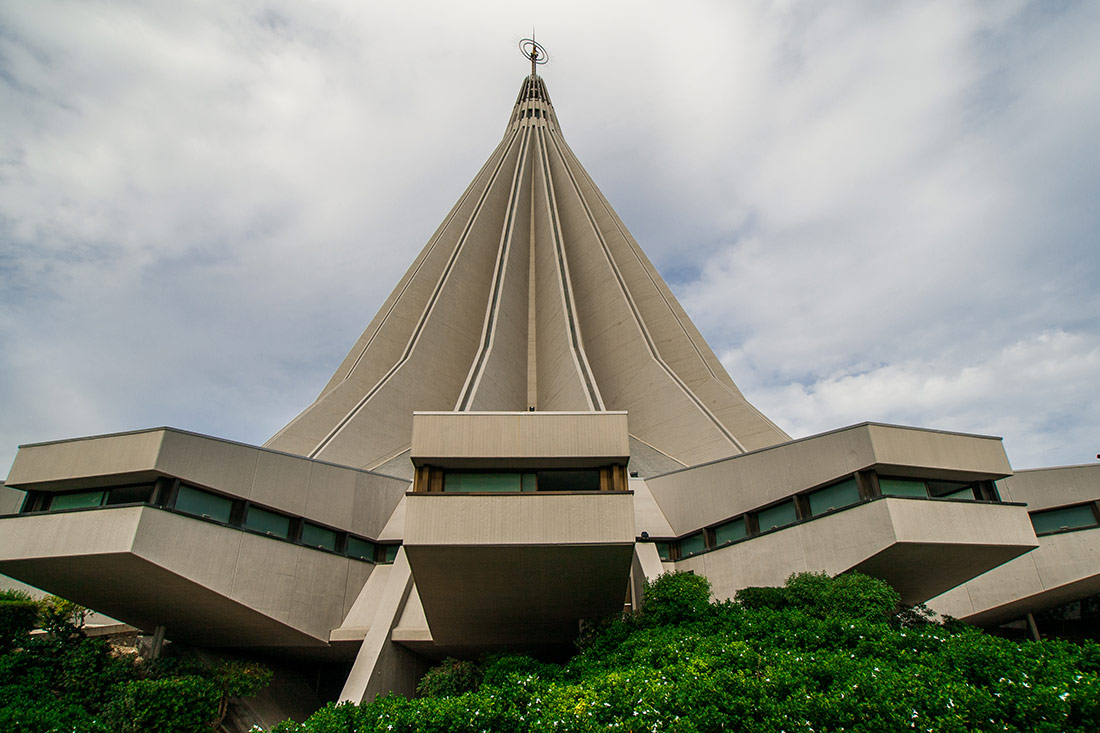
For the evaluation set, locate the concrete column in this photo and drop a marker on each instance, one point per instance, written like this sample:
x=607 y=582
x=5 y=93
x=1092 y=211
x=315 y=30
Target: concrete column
x=158 y=642
x=381 y=665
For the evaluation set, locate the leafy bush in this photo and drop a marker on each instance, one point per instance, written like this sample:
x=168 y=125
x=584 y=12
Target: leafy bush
x=61 y=618
x=502 y=670
x=235 y=678
x=18 y=615
x=822 y=654
x=852 y=595
x=64 y=681
x=673 y=597
x=452 y=677
x=186 y=704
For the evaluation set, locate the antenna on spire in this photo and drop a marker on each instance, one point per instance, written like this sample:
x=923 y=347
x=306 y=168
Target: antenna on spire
x=533 y=51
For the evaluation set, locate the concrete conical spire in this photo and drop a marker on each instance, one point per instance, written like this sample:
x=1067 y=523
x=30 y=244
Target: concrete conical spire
x=532 y=294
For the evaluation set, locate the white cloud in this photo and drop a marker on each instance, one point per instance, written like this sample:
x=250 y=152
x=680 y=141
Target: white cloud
x=873 y=211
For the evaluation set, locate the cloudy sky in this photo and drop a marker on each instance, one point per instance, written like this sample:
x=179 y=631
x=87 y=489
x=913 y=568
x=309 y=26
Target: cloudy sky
x=873 y=211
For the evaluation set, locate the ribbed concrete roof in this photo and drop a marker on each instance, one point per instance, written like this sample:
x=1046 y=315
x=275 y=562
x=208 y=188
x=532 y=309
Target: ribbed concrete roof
x=531 y=294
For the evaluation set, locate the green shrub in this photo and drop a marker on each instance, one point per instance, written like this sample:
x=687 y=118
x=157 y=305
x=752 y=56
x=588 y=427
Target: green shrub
x=235 y=678
x=18 y=616
x=62 y=619
x=186 y=704
x=851 y=595
x=675 y=597
x=506 y=669
x=452 y=677
x=822 y=654
x=763 y=597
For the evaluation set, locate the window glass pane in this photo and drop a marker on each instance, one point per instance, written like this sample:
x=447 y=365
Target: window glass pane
x=730 y=532
x=950 y=490
x=267 y=522
x=664 y=550
x=692 y=544
x=360 y=548
x=315 y=536
x=967 y=494
x=76 y=501
x=482 y=482
x=130 y=494
x=569 y=480
x=902 y=487
x=529 y=482
x=389 y=552
x=833 y=497
x=1070 y=517
x=203 y=504
x=779 y=515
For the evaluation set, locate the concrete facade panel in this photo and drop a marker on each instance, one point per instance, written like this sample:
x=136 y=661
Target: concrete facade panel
x=445 y=439
x=11 y=500
x=202 y=552
x=69 y=533
x=918 y=449
x=1051 y=487
x=83 y=460
x=376 y=498
x=519 y=519
x=330 y=498
x=264 y=575
x=280 y=482
x=208 y=462
x=317 y=603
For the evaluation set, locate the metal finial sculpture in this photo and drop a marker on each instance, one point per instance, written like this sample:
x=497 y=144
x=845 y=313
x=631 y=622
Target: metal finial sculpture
x=533 y=51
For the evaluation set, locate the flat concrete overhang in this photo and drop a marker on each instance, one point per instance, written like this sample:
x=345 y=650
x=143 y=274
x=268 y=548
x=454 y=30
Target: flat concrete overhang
x=1065 y=568
x=342 y=497
x=208 y=584
x=518 y=569
x=516 y=440
x=920 y=547
x=700 y=495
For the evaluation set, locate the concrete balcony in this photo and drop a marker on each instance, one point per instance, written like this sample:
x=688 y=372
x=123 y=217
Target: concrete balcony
x=499 y=569
x=339 y=496
x=209 y=584
x=515 y=440
x=1065 y=568
x=921 y=547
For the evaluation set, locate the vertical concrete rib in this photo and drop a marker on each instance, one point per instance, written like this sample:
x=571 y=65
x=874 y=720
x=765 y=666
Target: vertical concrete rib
x=530 y=294
x=630 y=371
x=438 y=353
x=559 y=262
x=673 y=337
x=504 y=334
x=390 y=332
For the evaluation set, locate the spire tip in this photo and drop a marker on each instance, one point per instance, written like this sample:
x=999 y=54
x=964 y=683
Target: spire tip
x=534 y=51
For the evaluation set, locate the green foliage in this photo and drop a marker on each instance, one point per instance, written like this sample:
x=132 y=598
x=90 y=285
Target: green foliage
x=851 y=595
x=236 y=678
x=502 y=670
x=820 y=654
x=62 y=619
x=187 y=704
x=452 y=677
x=63 y=681
x=18 y=615
x=673 y=597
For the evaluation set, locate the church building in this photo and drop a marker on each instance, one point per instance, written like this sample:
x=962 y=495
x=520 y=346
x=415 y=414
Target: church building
x=529 y=429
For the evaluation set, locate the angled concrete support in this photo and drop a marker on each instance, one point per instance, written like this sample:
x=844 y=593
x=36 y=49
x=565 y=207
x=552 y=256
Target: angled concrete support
x=645 y=566
x=381 y=665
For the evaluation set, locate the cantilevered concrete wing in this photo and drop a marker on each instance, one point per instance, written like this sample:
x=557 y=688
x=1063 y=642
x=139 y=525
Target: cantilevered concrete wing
x=531 y=295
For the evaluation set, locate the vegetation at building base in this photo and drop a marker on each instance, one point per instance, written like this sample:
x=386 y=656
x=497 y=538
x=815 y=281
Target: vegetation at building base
x=819 y=654
x=61 y=680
